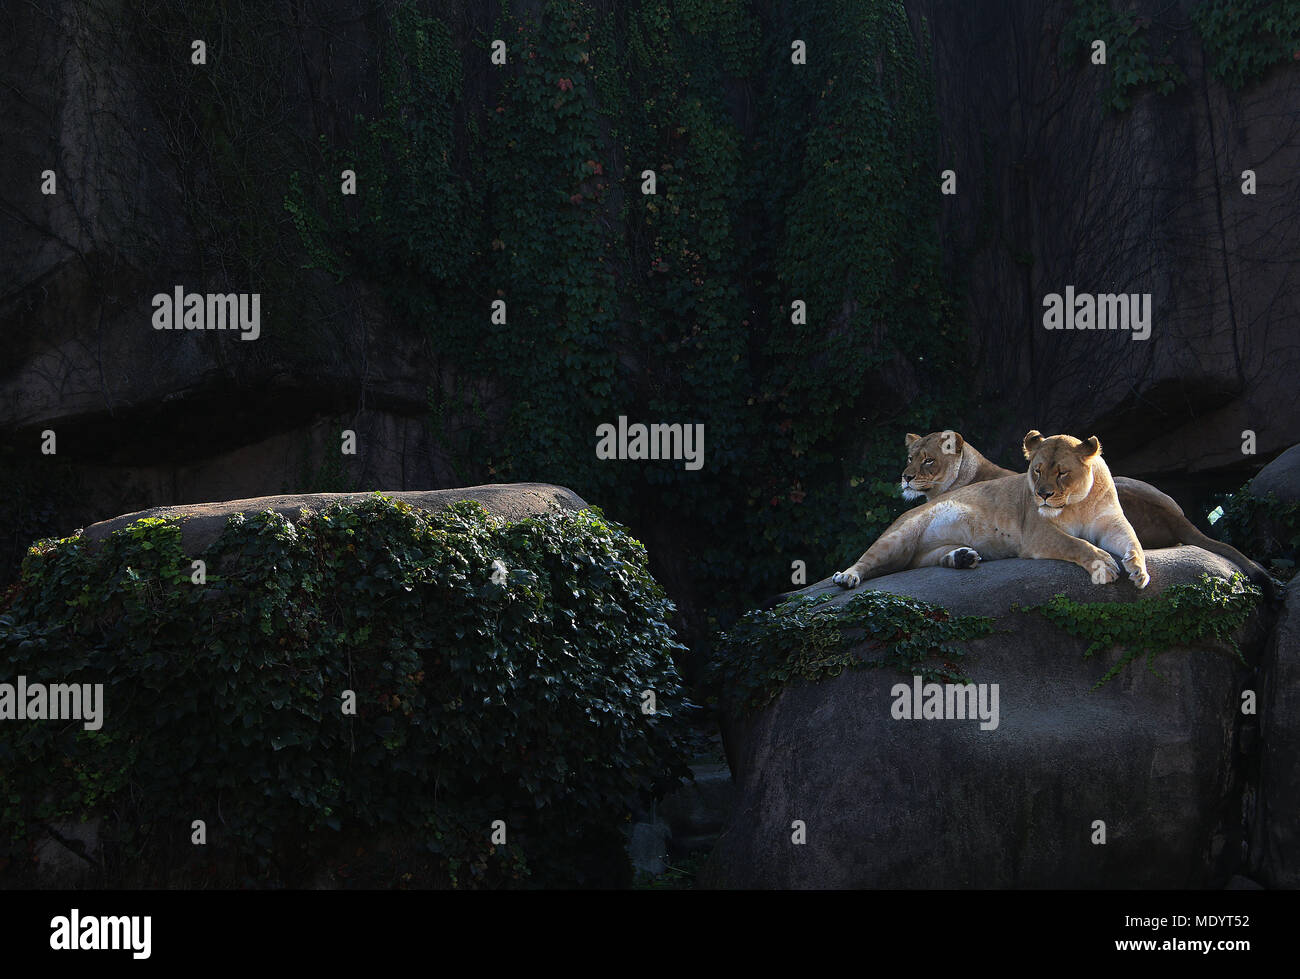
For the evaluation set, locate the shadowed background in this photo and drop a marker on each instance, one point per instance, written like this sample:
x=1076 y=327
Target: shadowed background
x=522 y=182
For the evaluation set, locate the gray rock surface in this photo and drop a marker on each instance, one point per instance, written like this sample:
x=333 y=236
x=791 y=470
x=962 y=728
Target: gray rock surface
x=69 y=855
x=148 y=417
x=1051 y=202
x=202 y=523
x=1281 y=477
x=1275 y=842
x=647 y=846
x=944 y=804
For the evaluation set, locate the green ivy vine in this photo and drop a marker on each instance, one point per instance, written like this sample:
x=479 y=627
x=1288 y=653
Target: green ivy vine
x=809 y=639
x=1211 y=608
x=498 y=669
x=1242 y=41
x=676 y=306
x=1246 y=39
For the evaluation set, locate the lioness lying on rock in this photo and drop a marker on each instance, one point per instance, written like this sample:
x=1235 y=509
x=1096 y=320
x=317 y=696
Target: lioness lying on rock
x=943 y=461
x=1064 y=508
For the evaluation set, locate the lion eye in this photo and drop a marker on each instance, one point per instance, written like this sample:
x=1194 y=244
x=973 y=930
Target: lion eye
x=1038 y=470
x=929 y=463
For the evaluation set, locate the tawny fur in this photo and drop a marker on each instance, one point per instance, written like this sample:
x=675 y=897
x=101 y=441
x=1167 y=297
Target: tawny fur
x=1156 y=518
x=1064 y=509
x=943 y=461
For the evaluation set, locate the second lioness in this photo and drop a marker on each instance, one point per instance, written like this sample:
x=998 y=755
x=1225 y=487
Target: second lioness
x=943 y=461
x=1064 y=508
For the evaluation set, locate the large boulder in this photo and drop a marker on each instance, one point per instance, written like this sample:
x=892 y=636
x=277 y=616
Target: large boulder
x=202 y=523
x=1281 y=477
x=59 y=859
x=1263 y=518
x=349 y=661
x=1275 y=844
x=917 y=804
x=1275 y=840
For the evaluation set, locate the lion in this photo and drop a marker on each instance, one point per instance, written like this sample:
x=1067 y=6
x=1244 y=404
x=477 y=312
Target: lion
x=1064 y=508
x=943 y=461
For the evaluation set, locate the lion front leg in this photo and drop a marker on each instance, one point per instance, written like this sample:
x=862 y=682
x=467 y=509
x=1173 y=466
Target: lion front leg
x=1118 y=537
x=1046 y=542
x=889 y=553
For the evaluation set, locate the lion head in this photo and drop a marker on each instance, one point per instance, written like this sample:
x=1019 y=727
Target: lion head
x=932 y=463
x=1060 y=470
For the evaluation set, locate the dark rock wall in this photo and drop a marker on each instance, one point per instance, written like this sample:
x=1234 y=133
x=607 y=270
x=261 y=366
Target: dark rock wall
x=154 y=418
x=1055 y=190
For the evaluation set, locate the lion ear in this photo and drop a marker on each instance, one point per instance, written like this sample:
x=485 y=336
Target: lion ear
x=1090 y=448
x=957 y=440
x=911 y=438
x=1032 y=441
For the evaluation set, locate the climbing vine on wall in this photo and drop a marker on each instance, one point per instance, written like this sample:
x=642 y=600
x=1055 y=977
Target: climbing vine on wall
x=774 y=181
x=1242 y=41
x=1131 y=64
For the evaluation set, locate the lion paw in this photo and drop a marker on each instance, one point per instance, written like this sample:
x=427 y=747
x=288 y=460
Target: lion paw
x=847 y=579
x=960 y=557
x=1104 y=570
x=1137 y=571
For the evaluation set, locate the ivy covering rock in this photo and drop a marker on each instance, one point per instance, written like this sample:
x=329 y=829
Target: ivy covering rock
x=809 y=639
x=499 y=672
x=1209 y=608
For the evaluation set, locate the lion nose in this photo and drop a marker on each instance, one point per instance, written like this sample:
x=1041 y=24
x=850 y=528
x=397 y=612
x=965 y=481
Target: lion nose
x=1045 y=493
